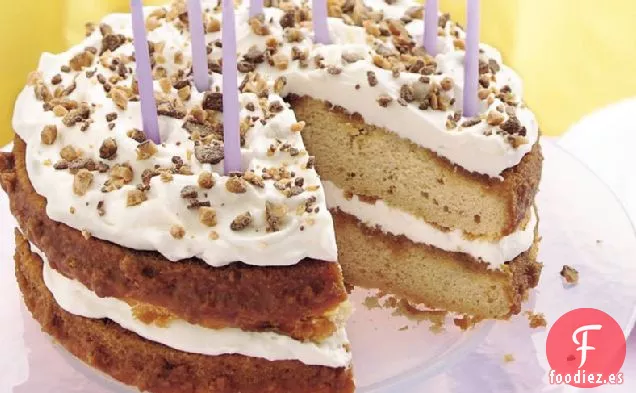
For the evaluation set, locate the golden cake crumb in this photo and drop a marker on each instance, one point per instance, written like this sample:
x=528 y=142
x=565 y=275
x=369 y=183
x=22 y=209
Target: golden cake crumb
x=570 y=274
x=372 y=302
x=508 y=358
x=536 y=319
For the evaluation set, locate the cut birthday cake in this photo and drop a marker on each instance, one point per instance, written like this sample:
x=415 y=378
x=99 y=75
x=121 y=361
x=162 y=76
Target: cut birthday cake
x=202 y=242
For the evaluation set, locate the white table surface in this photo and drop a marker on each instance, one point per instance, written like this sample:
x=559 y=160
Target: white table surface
x=603 y=141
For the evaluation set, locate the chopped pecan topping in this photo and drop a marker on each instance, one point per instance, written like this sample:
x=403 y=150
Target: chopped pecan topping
x=213 y=101
x=188 y=192
x=146 y=149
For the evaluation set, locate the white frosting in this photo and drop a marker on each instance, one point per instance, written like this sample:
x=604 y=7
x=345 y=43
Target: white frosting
x=76 y=299
x=398 y=222
x=147 y=226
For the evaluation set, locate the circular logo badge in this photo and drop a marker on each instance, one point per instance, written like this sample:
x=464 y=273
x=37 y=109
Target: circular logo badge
x=586 y=348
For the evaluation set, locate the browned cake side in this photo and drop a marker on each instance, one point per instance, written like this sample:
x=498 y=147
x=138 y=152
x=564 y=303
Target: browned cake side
x=436 y=278
x=291 y=300
x=374 y=162
x=156 y=368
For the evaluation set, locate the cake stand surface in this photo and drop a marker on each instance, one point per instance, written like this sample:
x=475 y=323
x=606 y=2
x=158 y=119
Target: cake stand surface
x=582 y=225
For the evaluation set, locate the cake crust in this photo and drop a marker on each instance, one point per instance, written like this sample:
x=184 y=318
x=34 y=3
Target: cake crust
x=156 y=368
x=291 y=300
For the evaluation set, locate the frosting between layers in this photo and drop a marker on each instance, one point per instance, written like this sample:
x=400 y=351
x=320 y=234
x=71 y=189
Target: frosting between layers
x=76 y=299
x=398 y=222
x=480 y=148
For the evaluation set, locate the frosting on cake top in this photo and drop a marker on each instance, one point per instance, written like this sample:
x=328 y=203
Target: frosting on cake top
x=87 y=155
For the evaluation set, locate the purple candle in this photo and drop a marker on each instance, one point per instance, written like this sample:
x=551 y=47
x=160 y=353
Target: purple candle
x=144 y=73
x=199 y=51
x=321 y=30
x=430 y=26
x=471 y=62
x=231 y=136
x=256 y=7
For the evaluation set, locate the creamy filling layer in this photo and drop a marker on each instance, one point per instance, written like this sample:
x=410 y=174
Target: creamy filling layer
x=398 y=222
x=76 y=299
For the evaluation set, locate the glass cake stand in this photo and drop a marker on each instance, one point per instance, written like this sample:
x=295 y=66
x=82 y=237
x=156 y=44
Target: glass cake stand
x=581 y=222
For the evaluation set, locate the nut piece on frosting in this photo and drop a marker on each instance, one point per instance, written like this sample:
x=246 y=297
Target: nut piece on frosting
x=236 y=185
x=241 y=221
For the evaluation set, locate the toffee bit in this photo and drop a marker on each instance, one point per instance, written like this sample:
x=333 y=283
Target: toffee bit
x=333 y=70
x=48 y=134
x=82 y=182
x=188 y=192
x=212 y=154
x=146 y=149
x=384 y=100
x=69 y=153
x=137 y=135
x=495 y=118
x=446 y=84
x=241 y=222
x=298 y=127
x=135 y=197
x=56 y=80
x=371 y=78
x=471 y=122
x=177 y=231
x=111 y=117
x=407 y=93
x=213 y=101
x=236 y=185
x=274 y=215
x=351 y=57
x=206 y=180
x=207 y=216
x=100 y=209
x=254 y=179
x=512 y=125
x=108 y=150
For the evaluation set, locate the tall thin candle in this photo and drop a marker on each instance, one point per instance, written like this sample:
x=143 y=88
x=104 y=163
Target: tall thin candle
x=471 y=62
x=199 y=51
x=144 y=73
x=231 y=136
x=321 y=30
x=256 y=7
x=430 y=26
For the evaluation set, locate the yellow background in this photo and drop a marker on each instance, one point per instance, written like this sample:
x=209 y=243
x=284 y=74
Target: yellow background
x=574 y=55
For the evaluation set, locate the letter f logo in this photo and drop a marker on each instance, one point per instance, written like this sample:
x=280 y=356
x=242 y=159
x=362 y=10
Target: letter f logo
x=583 y=344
